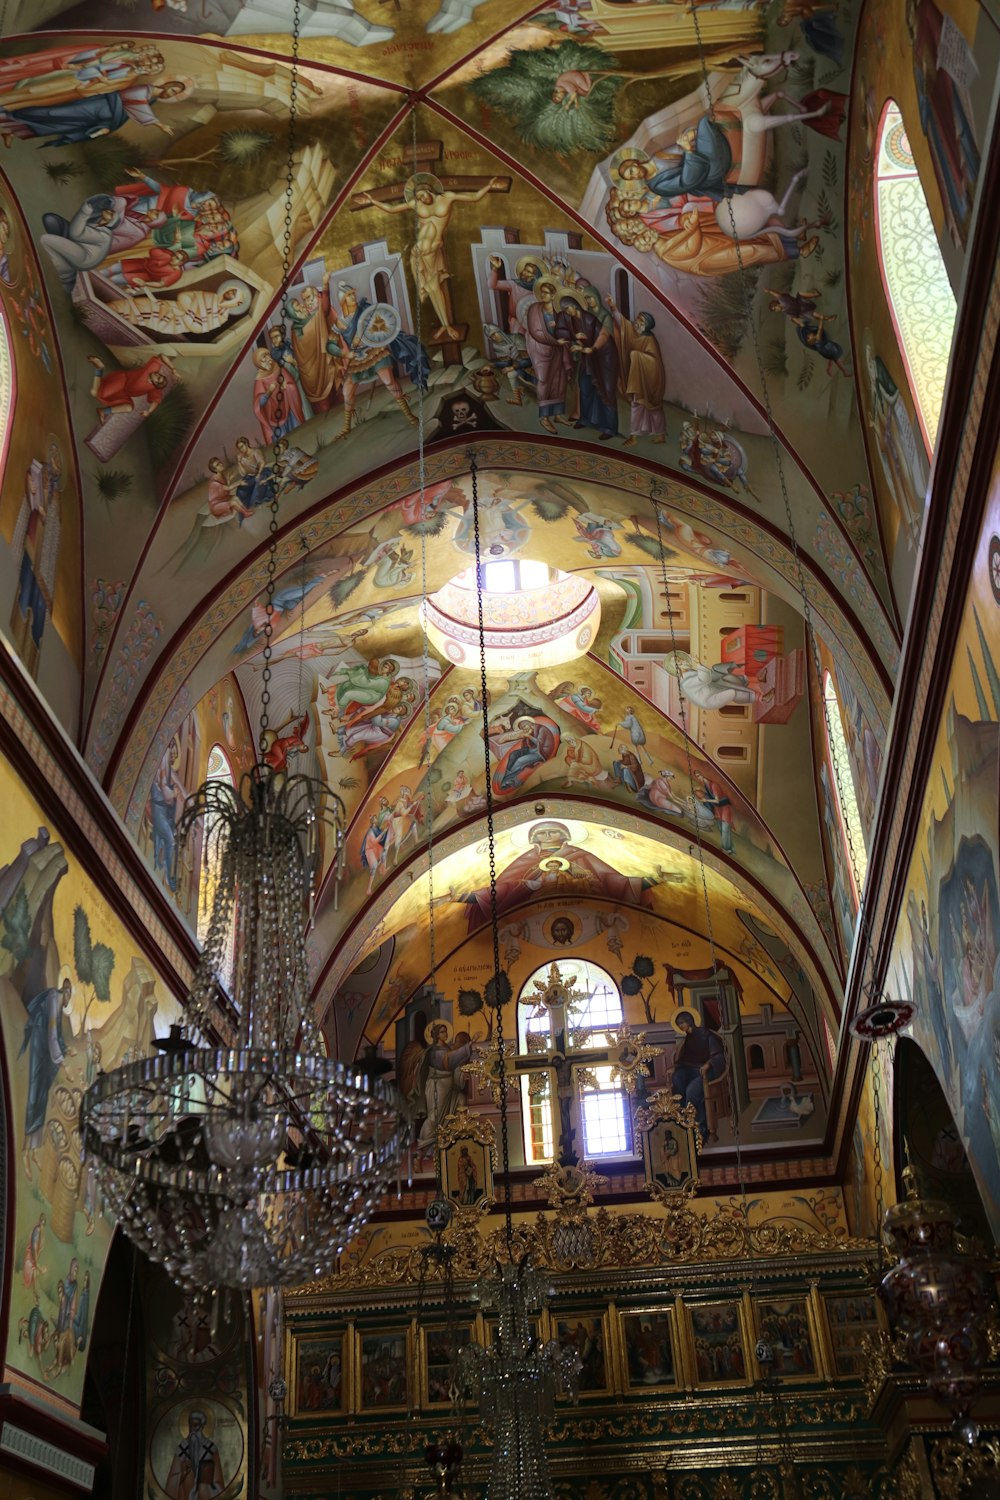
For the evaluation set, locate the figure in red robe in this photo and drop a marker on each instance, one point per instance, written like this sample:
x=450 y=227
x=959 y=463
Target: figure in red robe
x=122 y=390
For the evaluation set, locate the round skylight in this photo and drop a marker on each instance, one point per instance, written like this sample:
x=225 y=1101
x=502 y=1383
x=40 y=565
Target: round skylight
x=534 y=615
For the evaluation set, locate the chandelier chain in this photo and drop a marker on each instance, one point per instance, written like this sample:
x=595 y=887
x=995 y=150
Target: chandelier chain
x=877 y=1165
x=286 y=264
x=499 y=977
x=656 y=492
x=811 y=636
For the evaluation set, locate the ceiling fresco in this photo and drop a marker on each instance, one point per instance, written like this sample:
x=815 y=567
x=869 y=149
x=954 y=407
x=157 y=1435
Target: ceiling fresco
x=604 y=248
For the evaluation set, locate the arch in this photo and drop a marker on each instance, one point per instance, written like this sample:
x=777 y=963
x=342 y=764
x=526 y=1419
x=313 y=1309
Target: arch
x=604 y=1113
x=914 y=277
x=927 y=1139
x=755 y=1057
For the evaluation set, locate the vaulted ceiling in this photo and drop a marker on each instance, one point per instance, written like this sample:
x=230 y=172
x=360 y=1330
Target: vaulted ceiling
x=590 y=336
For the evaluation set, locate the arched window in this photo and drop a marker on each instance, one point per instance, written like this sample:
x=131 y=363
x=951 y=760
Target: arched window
x=8 y=390
x=755 y=1058
x=843 y=784
x=914 y=277
x=603 y=1116
x=218 y=769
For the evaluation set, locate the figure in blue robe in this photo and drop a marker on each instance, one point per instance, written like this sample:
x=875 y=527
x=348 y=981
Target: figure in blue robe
x=81 y=1318
x=46 y=1049
x=77 y=120
x=699 y=166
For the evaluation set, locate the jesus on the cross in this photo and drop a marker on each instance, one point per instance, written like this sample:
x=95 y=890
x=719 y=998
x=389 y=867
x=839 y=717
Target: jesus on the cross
x=432 y=203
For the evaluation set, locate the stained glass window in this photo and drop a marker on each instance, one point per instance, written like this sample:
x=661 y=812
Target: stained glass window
x=218 y=769
x=8 y=387
x=913 y=272
x=843 y=785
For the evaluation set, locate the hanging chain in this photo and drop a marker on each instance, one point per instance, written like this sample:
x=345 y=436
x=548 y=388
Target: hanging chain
x=500 y=983
x=286 y=265
x=877 y=1166
x=812 y=639
x=425 y=642
x=656 y=493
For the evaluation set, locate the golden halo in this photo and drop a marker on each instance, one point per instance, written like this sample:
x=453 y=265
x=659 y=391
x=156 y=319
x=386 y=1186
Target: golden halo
x=525 y=261
x=547 y=281
x=422 y=180
x=684 y=1010
x=433 y=1025
x=628 y=153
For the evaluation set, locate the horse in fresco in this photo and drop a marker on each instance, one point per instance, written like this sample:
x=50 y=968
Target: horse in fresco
x=743 y=110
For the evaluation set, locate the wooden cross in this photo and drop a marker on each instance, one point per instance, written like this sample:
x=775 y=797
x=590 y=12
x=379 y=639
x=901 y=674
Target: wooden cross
x=431 y=215
x=565 y=1061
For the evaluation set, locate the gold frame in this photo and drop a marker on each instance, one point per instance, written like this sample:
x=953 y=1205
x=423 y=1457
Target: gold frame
x=666 y=1310
x=834 y=1294
x=472 y=1323
x=486 y=1324
x=296 y=1342
x=784 y=1295
x=745 y=1327
x=395 y=1330
x=551 y=1319
x=665 y=1115
x=459 y=1130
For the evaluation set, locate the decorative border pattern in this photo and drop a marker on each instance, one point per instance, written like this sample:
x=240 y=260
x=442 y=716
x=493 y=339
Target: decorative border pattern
x=45 y=1455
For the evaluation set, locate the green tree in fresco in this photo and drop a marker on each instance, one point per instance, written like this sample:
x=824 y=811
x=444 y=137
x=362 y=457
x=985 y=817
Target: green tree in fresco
x=94 y=962
x=17 y=926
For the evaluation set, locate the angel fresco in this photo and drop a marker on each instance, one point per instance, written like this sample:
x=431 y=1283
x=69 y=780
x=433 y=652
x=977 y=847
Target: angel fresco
x=431 y=1079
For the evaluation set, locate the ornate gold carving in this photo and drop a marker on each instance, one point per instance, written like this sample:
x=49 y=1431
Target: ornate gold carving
x=628 y=1055
x=456 y=1134
x=676 y=1236
x=670 y=1146
x=957 y=1469
x=569 y=1190
x=909 y=1485
x=556 y=993
x=877 y=1351
x=485 y=1068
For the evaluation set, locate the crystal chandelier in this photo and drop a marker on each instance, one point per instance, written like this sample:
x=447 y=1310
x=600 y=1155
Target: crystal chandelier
x=517 y=1381
x=249 y=1158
